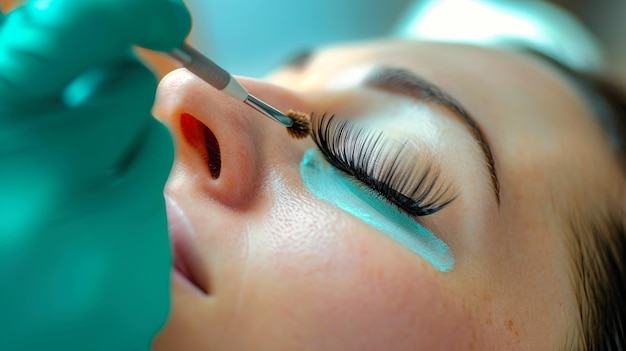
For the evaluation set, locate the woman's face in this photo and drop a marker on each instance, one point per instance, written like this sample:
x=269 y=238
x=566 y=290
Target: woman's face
x=277 y=250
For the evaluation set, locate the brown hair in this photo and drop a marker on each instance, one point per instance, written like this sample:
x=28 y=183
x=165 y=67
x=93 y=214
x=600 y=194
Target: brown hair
x=599 y=236
x=598 y=240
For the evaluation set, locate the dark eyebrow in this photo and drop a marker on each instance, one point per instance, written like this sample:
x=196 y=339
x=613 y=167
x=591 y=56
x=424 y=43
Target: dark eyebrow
x=403 y=82
x=298 y=61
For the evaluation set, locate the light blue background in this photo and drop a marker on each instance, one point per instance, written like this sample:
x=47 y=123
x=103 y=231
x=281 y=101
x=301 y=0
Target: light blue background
x=251 y=37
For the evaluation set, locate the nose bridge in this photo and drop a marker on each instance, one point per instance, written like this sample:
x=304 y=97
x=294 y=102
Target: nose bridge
x=211 y=129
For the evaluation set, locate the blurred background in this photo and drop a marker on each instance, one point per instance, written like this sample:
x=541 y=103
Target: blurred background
x=606 y=18
x=251 y=37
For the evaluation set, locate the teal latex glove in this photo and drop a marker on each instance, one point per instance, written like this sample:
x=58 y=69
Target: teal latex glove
x=84 y=251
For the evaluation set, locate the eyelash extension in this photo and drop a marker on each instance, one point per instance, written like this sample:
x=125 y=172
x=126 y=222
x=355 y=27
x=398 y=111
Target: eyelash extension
x=375 y=160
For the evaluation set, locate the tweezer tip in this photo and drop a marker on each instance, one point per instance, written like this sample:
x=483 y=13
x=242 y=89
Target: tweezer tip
x=268 y=110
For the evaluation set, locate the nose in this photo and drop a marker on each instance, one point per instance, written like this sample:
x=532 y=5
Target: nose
x=222 y=145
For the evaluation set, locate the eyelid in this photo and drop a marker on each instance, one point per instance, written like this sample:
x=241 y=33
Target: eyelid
x=371 y=157
x=403 y=82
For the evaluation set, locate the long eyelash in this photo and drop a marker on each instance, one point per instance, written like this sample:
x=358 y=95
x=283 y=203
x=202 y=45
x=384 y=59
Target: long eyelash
x=379 y=163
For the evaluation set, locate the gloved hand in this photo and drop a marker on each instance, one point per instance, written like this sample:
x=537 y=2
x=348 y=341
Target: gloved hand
x=84 y=251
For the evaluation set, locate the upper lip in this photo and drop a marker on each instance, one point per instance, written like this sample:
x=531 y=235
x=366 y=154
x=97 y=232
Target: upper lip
x=187 y=258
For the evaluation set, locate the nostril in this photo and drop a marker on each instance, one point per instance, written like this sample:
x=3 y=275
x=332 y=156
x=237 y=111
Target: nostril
x=213 y=150
x=204 y=141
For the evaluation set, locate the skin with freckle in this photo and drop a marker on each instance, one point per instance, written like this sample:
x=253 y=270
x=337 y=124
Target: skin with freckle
x=274 y=266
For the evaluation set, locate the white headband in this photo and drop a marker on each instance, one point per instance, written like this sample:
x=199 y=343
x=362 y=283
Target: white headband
x=505 y=23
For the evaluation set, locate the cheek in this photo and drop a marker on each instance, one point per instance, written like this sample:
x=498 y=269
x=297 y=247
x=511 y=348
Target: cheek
x=329 y=281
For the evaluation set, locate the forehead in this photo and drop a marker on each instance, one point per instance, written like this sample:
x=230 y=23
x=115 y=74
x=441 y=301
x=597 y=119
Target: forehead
x=510 y=93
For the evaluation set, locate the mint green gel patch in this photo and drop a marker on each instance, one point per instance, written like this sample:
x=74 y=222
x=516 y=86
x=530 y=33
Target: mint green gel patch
x=328 y=184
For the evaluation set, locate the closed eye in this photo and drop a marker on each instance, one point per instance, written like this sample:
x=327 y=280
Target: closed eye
x=387 y=167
